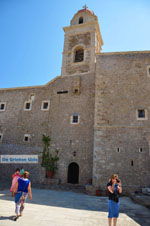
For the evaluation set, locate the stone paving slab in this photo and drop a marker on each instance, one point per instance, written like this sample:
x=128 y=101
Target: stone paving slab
x=60 y=208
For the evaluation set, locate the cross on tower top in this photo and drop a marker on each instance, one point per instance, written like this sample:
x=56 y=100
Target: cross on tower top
x=85 y=7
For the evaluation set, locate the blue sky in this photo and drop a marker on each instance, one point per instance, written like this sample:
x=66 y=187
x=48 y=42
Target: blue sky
x=31 y=35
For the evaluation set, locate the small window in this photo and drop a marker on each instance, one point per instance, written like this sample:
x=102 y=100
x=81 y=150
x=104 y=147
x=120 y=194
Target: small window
x=81 y=20
x=45 y=105
x=1 y=137
x=27 y=137
x=141 y=114
x=148 y=70
x=118 y=149
x=79 y=55
x=2 y=106
x=140 y=149
x=62 y=92
x=131 y=162
x=70 y=142
x=27 y=106
x=76 y=91
x=75 y=119
x=74 y=153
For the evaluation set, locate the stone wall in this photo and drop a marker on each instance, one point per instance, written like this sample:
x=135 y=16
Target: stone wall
x=71 y=42
x=121 y=142
x=67 y=137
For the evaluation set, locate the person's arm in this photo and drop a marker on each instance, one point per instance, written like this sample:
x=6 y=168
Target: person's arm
x=13 y=175
x=30 y=191
x=120 y=187
x=110 y=188
x=15 y=187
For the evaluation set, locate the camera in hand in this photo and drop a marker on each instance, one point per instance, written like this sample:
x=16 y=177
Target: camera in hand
x=118 y=181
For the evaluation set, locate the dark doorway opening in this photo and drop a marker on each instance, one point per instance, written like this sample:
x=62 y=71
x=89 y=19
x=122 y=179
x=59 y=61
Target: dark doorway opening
x=73 y=173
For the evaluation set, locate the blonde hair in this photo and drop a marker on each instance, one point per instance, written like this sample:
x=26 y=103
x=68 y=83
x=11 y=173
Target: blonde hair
x=26 y=174
x=114 y=176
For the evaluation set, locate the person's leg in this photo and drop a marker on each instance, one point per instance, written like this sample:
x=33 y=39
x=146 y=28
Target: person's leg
x=18 y=204
x=109 y=221
x=114 y=221
x=110 y=212
x=17 y=211
x=116 y=213
x=22 y=201
x=21 y=209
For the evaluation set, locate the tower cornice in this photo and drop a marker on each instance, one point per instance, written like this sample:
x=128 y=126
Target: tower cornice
x=79 y=29
x=73 y=27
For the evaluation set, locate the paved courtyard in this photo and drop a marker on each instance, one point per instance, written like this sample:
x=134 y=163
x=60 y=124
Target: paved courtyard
x=60 y=208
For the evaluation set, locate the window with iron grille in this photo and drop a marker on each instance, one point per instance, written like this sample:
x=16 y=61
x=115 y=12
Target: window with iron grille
x=141 y=113
x=75 y=119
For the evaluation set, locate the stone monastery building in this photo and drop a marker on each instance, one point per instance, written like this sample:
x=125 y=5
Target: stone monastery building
x=97 y=113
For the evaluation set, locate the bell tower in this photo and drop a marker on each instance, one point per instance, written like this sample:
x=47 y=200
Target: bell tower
x=82 y=41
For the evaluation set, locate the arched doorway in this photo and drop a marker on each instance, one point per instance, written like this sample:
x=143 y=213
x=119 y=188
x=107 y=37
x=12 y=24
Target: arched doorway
x=73 y=173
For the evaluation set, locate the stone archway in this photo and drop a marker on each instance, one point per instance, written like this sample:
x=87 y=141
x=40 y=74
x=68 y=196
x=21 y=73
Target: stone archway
x=73 y=173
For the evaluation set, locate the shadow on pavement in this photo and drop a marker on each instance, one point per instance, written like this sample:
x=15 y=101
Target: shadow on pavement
x=67 y=199
x=7 y=218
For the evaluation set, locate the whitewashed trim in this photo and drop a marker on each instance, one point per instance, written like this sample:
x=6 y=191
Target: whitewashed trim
x=71 y=119
x=4 y=106
x=29 y=137
x=42 y=105
x=25 y=109
x=146 y=114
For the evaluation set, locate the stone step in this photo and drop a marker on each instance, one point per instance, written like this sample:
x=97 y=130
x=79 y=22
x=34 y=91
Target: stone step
x=141 y=199
x=65 y=187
